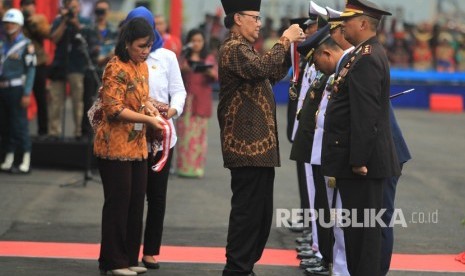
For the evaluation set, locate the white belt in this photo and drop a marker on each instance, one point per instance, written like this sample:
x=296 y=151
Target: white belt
x=11 y=83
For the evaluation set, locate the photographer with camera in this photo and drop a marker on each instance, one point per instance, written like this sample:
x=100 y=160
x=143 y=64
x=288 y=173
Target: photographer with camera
x=69 y=32
x=37 y=29
x=104 y=38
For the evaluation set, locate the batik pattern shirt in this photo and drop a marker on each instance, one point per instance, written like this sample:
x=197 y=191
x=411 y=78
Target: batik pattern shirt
x=125 y=85
x=247 y=109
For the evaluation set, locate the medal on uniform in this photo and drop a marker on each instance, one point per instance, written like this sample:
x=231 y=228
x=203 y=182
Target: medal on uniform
x=331 y=182
x=295 y=72
x=293 y=92
x=312 y=95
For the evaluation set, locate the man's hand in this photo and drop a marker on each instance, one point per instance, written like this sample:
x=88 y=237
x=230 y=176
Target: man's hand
x=294 y=33
x=25 y=101
x=360 y=170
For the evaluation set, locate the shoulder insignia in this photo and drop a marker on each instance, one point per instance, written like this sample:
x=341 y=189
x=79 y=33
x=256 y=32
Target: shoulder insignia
x=30 y=49
x=366 y=50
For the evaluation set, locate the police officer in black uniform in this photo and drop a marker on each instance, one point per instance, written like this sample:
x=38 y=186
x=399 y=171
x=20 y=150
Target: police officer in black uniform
x=358 y=148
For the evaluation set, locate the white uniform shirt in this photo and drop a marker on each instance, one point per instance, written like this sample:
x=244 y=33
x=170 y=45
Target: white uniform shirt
x=165 y=83
x=320 y=117
x=307 y=79
x=320 y=122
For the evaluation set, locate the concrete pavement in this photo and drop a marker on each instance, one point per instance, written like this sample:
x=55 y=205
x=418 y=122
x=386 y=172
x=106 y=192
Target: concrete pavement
x=35 y=208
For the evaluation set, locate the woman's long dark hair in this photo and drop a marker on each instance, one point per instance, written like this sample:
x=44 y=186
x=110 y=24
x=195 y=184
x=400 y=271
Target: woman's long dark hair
x=204 y=51
x=134 y=29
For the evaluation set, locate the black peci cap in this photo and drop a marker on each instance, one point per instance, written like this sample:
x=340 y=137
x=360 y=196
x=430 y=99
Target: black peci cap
x=232 y=6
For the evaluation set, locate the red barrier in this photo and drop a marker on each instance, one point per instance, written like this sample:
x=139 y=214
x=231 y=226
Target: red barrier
x=446 y=103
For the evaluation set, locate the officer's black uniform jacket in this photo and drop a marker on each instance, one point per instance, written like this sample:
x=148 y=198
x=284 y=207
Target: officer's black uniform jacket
x=303 y=141
x=357 y=128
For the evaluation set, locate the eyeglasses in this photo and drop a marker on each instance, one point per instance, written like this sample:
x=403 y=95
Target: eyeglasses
x=256 y=17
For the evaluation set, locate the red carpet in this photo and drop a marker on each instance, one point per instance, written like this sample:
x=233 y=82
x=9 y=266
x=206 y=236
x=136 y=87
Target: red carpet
x=182 y=254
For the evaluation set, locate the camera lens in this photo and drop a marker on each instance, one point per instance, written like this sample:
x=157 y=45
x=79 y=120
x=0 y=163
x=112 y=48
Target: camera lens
x=100 y=11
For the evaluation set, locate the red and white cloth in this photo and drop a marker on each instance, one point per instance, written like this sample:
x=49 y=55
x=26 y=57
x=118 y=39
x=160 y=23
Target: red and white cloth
x=166 y=141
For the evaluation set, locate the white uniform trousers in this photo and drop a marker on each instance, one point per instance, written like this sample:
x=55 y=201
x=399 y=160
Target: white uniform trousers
x=339 y=249
x=311 y=196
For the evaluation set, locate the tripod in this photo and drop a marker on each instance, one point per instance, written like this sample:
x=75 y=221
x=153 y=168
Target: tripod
x=88 y=154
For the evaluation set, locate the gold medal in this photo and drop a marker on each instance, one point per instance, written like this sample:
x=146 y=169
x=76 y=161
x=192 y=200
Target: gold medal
x=331 y=182
x=312 y=95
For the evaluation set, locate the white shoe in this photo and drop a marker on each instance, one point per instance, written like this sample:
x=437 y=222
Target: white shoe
x=8 y=163
x=138 y=269
x=122 y=271
x=24 y=166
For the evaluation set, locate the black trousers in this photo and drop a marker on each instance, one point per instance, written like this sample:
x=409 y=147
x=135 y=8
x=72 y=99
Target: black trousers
x=250 y=218
x=325 y=240
x=302 y=181
x=363 y=244
x=157 y=185
x=387 y=242
x=13 y=121
x=124 y=184
x=40 y=94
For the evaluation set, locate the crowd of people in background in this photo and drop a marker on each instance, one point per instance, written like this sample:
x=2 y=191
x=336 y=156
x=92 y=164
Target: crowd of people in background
x=422 y=47
x=425 y=46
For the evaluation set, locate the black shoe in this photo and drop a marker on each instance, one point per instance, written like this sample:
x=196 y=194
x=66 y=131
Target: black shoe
x=306 y=254
x=307 y=231
x=310 y=263
x=317 y=271
x=304 y=239
x=150 y=265
x=296 y=226
x=16 y=170
x=303 y=247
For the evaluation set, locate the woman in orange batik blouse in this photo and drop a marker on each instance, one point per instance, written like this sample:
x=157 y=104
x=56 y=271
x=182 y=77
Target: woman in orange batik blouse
x=121 y=149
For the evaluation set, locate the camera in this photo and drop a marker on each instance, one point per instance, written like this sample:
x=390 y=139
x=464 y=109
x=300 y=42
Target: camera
x=68 y=13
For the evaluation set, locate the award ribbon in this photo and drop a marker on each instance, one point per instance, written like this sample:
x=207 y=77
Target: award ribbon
x=295 y=72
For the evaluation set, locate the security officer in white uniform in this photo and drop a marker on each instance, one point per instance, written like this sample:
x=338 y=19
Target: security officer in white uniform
x=17 y=71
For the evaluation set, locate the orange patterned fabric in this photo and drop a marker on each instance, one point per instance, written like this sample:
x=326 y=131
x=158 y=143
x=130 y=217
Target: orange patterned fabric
x=125 y=85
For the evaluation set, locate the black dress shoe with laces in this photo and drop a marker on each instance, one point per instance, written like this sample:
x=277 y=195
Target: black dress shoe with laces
x=304 y=239
x=317 y=271
x=303 y=247
x=310 y=263
x=306 y=254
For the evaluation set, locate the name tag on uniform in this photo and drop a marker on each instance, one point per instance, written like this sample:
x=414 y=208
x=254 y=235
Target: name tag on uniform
x=138 y=126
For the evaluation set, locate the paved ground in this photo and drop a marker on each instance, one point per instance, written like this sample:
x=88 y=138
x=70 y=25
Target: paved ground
x=36 y=208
